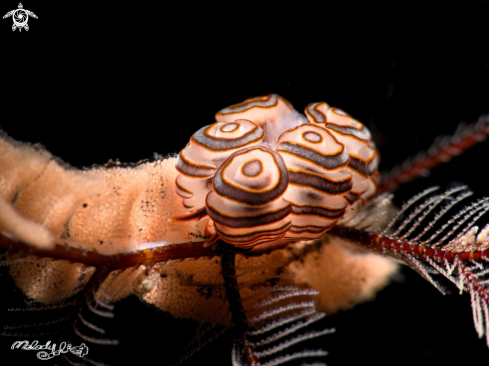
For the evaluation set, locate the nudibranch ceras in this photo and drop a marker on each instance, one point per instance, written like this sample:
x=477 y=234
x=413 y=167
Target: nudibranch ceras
x=265 y=172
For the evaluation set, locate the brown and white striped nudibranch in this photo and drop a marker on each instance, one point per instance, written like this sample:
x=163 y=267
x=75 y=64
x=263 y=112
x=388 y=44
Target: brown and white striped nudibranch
x=272 y=113
x=246 y=203
x=318 y=180
x=265 y=172
x=207 y=149
x=364 y=158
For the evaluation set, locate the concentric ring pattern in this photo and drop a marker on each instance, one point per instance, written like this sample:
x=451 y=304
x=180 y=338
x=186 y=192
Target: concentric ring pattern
x=265 y=172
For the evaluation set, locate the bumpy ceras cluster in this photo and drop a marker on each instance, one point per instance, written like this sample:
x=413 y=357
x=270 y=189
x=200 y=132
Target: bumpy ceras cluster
x=264 y=172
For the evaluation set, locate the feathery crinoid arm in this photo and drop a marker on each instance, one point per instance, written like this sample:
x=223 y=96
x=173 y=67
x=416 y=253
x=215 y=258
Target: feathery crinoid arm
x=441 y=151
x=434 y=233
x=275 y=320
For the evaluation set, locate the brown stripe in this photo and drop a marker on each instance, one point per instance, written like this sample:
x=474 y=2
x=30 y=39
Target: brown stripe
x=362 y=167
x=236 y=194
x=362 y=134
x=311 y=229
x=270 y=101
x=318 y=211
x=223 y=144
x=248 y=221
x=187 y=168
x=255 y=235
x=316 y=115
x=352 y=197
x=196 y=215
x=320 y=183
x=329 y=162
x=181 y=191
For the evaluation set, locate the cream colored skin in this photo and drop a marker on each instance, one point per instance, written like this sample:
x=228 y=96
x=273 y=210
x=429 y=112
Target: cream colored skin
x=120 y=210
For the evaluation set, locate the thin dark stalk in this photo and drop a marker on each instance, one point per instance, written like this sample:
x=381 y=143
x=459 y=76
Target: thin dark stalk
x=236 y=305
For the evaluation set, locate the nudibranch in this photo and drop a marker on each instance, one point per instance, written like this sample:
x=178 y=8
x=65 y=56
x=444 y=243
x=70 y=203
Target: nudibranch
x=264 y=172
x=262 y=176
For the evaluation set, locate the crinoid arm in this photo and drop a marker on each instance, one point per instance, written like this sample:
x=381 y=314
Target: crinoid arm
x=277 y=322
x=435 y=234
x=442 y=151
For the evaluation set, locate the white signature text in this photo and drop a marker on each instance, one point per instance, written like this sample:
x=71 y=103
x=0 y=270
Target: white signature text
x=43 y=354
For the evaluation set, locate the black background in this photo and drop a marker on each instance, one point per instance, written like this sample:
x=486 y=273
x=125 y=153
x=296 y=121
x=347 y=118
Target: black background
x=94 y=82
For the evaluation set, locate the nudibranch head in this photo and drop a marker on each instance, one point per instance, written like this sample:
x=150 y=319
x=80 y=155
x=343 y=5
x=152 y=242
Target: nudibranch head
x=265 y=172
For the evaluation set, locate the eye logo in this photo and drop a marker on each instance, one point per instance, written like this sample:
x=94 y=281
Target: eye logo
x=20 y=17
